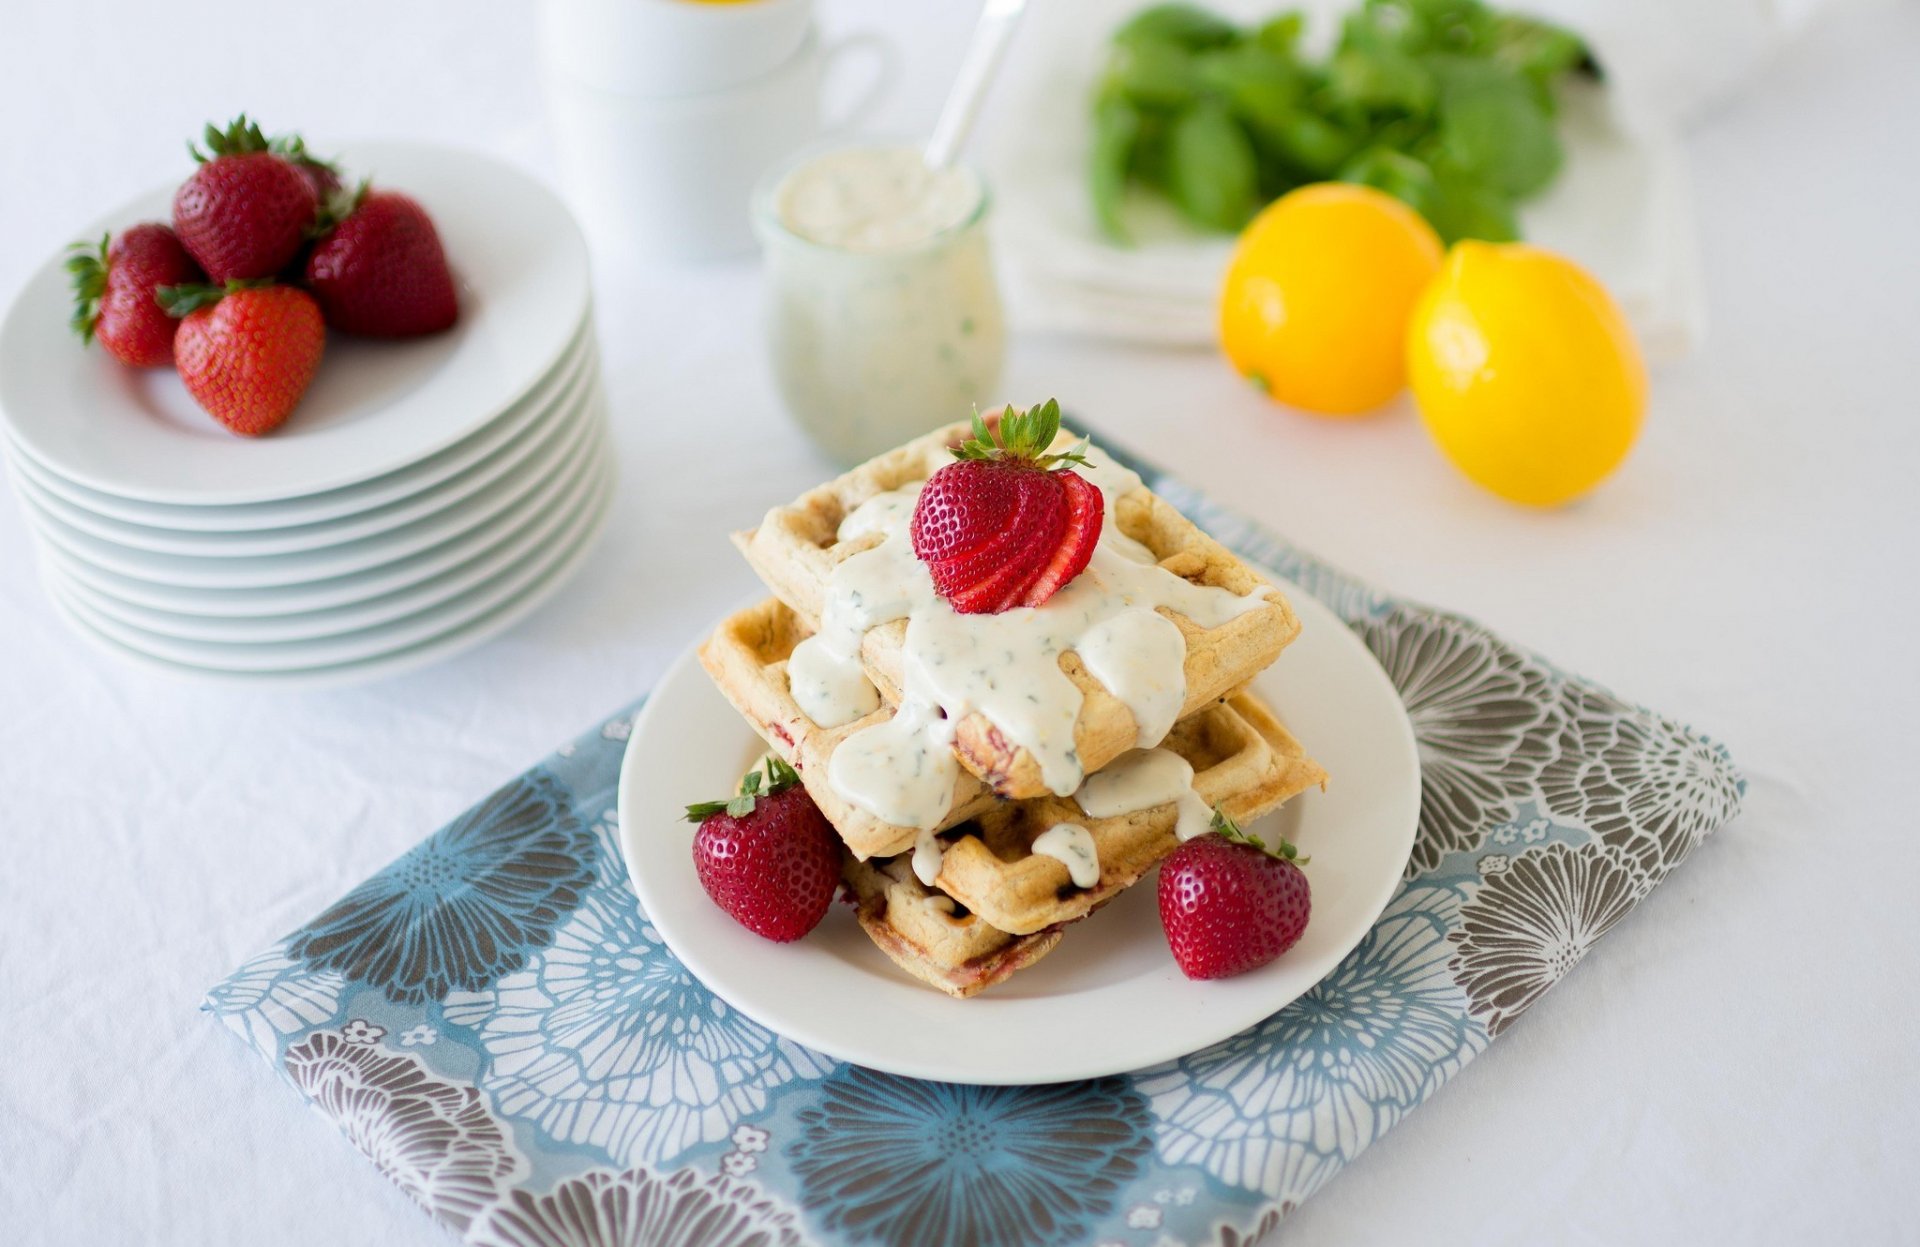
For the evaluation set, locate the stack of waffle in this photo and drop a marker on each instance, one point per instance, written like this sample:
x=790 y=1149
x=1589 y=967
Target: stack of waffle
x=996 y=905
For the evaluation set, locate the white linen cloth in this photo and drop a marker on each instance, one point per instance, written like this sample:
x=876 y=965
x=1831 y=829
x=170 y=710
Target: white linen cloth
x=1734 y=1065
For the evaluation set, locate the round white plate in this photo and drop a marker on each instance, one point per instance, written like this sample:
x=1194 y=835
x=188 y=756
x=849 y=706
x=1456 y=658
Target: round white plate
x=521 y=266
x=355 y=646
x=425 y=653
x=273 y=542
x=331 y=504
x=546 y=520
x=1109 y=998
x=187 y=572
x=318 y=595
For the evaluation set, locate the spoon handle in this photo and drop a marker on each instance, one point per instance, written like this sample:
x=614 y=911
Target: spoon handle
x=989 y=43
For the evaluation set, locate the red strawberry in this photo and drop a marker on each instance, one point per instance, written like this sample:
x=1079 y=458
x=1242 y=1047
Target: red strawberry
x=768 y=858
x=381 y=271
x=321 y=176
x=1009 y=524
x=246 y=210
x=246 y=352
x=1229 y=903
x=115 y=292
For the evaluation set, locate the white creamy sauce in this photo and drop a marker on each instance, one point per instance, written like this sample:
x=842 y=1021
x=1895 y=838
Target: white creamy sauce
x=883 y=313
x=927 y=857
x=828 y=690
x=1142 y=780
x=874 y=199
x=900 y=770
x=1005 y=667
x=881 y=513
x=1071 y=846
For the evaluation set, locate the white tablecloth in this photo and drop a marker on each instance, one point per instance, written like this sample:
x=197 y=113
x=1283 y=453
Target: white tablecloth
x=1735 y=1063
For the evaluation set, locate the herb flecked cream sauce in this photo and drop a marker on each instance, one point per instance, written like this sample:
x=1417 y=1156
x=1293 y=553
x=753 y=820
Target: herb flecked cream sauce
x=883 y=314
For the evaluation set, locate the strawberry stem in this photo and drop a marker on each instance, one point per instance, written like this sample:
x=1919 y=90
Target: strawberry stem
x=1229 y=830
x=1021 y=436
x=778 y=777
x=238 y=139
x=88 y=266
x=178 y=301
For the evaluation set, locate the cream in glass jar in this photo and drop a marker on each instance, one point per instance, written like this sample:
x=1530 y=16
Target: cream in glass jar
x=882 y=313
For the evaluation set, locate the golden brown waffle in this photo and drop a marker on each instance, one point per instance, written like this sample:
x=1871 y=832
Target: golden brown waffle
x=795 y=549
x=1243 y=760
x=747 y=658
x=929 y=937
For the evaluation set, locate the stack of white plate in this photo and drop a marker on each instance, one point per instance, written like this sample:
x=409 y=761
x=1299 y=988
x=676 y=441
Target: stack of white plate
x=424 y=496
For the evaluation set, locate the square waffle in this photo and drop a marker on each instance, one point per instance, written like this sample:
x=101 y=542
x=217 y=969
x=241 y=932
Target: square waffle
x=796 y=547
x=1243 y=761
x=930 y=937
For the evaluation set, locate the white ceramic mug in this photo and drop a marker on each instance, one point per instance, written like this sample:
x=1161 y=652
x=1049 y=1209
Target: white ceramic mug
x=669 y=47
x=671 y=177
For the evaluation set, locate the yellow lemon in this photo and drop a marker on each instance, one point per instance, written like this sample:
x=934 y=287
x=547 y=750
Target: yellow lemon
x=1317 y=296
x=1525 y=372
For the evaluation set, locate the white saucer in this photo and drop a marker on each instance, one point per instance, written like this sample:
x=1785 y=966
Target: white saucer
x=334 y=503
x=400 y=649
x=269 y=542
x=548 y=515
x=1110 y=998
x=404 y=543
x=374 y=407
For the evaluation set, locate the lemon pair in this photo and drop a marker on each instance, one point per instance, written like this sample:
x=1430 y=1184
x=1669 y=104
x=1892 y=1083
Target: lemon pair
x=1522 y=366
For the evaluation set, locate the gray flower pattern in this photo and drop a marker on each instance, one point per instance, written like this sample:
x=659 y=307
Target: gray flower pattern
x=1480 y=710
x=1642 y=784
x=435 y=1139
x=1533 y=921
x=638 y=1208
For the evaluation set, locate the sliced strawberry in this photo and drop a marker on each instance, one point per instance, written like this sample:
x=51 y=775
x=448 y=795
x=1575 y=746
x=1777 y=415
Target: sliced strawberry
x=1086 y=511
x=1010 y=523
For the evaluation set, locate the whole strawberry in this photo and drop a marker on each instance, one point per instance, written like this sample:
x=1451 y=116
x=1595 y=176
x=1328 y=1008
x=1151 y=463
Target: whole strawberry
x=768 y=856
x=246 y=210
x=116 y=292
x=246 y=352
x=1009 y=524
x=380 y=271
x=1229 y=903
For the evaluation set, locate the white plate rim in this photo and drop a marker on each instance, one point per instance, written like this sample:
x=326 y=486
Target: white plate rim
x=363 y=644
x=444 y=178
x=545 y=523
x=386 y=666
x=326 y=534
x=330 y=504
x=277 y=571
x=1254 y=1006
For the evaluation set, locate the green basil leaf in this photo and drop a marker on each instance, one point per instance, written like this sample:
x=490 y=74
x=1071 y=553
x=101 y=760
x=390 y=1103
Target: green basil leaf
x=1312 y=145
x=1462 y=207
x=1538 y=49
x=1258 y=85
x=1211 y=170
x=1116 y=130
x=1281 y=35
x=1153 y=75
x=1405 y=177
x=1382 y=79
x=1182 y=25
x=1493 y=128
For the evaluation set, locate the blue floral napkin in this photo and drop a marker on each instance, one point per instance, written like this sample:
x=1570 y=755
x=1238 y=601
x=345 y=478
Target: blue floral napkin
x=494 y=1022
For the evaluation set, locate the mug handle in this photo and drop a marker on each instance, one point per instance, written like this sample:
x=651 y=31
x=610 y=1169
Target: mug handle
x=884 y=58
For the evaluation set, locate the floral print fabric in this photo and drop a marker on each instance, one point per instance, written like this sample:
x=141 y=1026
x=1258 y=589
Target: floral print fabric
x=493 y=1021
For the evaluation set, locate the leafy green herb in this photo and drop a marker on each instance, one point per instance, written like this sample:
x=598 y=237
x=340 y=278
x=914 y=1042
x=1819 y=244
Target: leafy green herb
x=1446 y=104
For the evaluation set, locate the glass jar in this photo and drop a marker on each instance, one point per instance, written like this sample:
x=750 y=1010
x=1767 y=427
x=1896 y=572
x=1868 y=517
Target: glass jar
x=883 y=316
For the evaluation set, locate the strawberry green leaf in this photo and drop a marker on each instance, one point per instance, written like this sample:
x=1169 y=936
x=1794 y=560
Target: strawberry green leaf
x=88 y=266
x=1223 y=824
x=777 y=777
